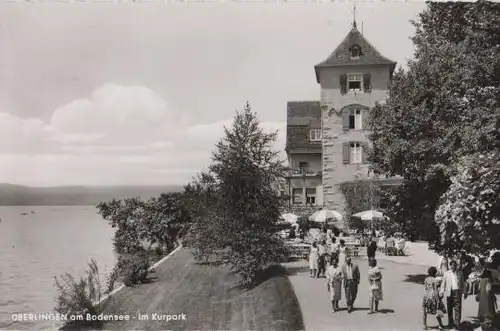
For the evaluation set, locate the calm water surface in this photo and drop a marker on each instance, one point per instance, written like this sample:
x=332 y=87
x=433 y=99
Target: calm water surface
x=38 y=246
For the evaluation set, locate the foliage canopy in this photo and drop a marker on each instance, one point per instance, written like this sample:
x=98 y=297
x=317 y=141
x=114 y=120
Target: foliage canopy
x=443 y=109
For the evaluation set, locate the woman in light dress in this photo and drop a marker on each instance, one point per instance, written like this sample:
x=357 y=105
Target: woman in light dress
x=375 y=281
x=431 y=303
x=342 y=252
x=334 y=282
x=314 y=260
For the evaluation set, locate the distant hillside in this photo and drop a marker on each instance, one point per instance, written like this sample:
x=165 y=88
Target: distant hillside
x=16 y=195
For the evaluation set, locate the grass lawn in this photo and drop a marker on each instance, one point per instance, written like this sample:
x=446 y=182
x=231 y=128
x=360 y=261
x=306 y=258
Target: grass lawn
x=210 y=297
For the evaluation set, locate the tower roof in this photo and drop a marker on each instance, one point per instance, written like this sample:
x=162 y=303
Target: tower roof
x=341 y=56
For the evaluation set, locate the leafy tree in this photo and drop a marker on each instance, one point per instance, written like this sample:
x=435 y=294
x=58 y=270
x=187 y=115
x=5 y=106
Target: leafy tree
x=443 y=108
x=360 y=195
x=157 y=221
x=469 y=217
x=246 y=169
x=244 y=204
x=165 y=218
x=126 y=217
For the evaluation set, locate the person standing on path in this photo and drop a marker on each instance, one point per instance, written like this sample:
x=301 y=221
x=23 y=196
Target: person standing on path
x=314 y=260
x=452 y=288
x=487 y=300
x=375 y=281
x=322 y=259
x=342 y=252
x=334 y=248
x=334 y=282
x=350 y=273
x=371 y=249
x=431 y=301
x=443 y=266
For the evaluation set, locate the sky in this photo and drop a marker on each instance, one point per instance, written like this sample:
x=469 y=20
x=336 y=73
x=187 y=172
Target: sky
x=123 y=93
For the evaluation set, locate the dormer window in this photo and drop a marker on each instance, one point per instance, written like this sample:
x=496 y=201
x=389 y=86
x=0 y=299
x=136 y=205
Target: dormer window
x=315 y=135
x=355 y=52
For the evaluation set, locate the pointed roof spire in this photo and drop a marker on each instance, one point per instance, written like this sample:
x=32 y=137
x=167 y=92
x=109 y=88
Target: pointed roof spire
x=341 y=56
x=354 y=18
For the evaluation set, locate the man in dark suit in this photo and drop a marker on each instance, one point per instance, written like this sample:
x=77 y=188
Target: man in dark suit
x=371 y=249
x=350 y=271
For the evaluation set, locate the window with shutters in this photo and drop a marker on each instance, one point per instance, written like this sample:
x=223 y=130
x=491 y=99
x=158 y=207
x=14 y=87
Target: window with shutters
x=311 y=196
x=297 y=196
x=354 y=82
x=355 y=152
x=343 y=84
x=355 y=120
x=315 y=135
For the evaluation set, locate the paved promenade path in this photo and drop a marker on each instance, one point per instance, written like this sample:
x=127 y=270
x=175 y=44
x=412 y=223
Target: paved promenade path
x=400 y=310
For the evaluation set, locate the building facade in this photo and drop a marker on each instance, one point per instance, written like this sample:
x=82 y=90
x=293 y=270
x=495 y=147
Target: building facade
x=327 y=140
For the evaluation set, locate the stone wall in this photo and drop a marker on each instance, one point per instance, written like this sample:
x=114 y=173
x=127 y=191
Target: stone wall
x=332 y=102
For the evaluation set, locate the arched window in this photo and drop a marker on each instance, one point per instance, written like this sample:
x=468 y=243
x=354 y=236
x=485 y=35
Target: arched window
x=355 y=52
x=354 y=116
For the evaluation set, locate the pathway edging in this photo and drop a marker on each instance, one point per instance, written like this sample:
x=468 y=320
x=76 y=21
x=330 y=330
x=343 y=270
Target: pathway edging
x=121 y=287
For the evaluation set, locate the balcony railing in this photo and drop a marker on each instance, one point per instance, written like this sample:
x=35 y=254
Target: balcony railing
x=303 y=173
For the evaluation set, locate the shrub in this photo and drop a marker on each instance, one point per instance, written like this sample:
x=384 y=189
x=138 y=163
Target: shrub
x=133 y=268
x=253 y=253
x=112 y=279
x=159 y=251
x=78 y=297
x=207 y=238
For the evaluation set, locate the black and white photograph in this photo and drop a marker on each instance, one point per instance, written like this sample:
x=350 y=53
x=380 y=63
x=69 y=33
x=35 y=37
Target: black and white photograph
x=249 y=165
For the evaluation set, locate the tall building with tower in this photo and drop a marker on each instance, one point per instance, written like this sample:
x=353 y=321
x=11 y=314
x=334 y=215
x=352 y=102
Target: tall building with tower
x=327 y=139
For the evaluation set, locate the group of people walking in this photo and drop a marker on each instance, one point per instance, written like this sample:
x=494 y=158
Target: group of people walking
x=449 y=284
x=444 y=287
x=337 y=267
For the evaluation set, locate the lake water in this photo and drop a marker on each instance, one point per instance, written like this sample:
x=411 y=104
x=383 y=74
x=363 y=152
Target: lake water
x=38 y=246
